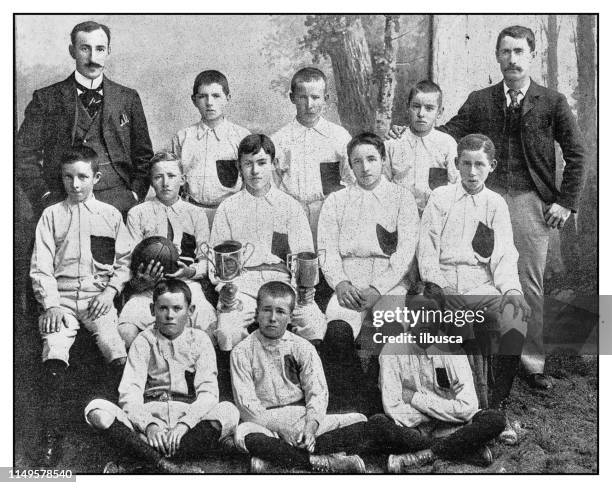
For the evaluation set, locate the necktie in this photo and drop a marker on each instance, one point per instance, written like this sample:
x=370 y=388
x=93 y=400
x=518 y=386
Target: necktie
x=91 y=98
x=170 y=230
x=514 y=104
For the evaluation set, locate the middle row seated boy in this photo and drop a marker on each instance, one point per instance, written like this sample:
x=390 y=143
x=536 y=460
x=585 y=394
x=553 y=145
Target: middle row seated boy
x=275 y=225
x=186 y=225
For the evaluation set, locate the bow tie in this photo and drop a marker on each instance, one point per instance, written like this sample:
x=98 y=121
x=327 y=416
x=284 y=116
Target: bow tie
x=91 y=98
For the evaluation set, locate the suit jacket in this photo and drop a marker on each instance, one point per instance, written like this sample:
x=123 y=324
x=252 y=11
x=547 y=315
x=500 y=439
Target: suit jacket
x=546 y=118
x=49 y=129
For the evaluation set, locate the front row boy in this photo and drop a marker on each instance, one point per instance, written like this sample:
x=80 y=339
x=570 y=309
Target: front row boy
x=80 y=263
x=275 y=225
x=169 y=406
x=280 y=390
x=429 y=399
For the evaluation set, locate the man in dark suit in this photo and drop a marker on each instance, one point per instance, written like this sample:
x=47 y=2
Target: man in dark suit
x=85 y=109
x=524 y=120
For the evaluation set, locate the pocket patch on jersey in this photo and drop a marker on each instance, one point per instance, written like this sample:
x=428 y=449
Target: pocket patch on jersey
x=437 y=177
x=483 y=242
x=280 y=245
x=330 y=177
x=188 y=249
x=227 y=172
x=103 y=249
x=292 y=369
x=386 y=240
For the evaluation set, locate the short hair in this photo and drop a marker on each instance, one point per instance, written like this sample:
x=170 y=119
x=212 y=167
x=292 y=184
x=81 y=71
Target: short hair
x=307 y=74
x=428 y=289
x=89 y=26
x=276 y=289
x=81 y=154
x=425 y=86
x=209 y=77
x=517 y=32
x=161 y=156
x=172 y=285
x=366 y=138
x=253 y=143
x=476 y=142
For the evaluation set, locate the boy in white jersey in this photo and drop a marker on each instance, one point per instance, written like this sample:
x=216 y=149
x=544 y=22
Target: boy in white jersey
x=275 y=225
x=423 y=158
x=369 y=231
x=311 y=151
x=208 y=148
x=79 y=264
x=187 y=227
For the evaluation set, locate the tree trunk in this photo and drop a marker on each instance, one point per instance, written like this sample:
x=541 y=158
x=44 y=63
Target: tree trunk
x=552 y=34
x=587 y=120
x=353 y=73
x=386 y=77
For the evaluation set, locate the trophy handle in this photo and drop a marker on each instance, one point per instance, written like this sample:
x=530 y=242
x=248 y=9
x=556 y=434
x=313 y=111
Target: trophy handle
x=244 y=251
x=291 y=262
x=207 y=253
x=324 y=253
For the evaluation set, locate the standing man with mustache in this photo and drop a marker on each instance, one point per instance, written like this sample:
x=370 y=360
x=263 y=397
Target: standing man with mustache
x=524 y=120
x=86 y=109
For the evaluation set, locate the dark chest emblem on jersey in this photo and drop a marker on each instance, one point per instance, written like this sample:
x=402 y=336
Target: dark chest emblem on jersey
x=437 y=177
x=483 y=241
x=292 y=369
x=386 y=240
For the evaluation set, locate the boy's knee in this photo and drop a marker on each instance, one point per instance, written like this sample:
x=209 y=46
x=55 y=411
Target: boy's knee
x=128 y=332
x=100 y=419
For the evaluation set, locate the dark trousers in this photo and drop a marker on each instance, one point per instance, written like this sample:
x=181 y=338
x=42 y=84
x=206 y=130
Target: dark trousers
x=119 y=197
x=387 y=436
x=349 y=439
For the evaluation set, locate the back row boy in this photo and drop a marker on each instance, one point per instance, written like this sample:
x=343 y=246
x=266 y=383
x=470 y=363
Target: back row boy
x=311 y=151
x=209 y=148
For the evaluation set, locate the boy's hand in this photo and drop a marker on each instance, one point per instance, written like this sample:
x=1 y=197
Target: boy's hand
x=146 y=278
x=453 y=300
x=289 y=435
x=102 y=303
x=51 y=320
x=556 y=215
x=517 y=300
x=306 y=439
x=183 y=273
x=157 y=439
x=395 y=132
x=349 y=296
x=175 y=435
x=370 y=297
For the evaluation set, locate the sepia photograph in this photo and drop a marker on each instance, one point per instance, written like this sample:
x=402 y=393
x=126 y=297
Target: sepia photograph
x=305 y=243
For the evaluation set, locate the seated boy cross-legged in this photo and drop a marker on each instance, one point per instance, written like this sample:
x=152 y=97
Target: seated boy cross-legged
x=280 y=390
x=169 y=406
x=275 y=225
x=429 y=399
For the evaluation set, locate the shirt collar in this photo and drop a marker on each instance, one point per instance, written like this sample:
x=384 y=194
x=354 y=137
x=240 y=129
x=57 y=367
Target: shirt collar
x=381 y=191
x=461 y=192
x=414 y=139
x=162 y=339
x=522 y=90
x=220 y=132
x=90 y=204
x=176 y=206
x=86 y=82
x=322 y=127
x=268 y=197
x=271 y=342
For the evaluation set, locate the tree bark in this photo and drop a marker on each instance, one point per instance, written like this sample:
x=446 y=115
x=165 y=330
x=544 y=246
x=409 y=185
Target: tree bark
x=352 y=66
x=552 y=34
x=386 y=78
x=587 y=120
